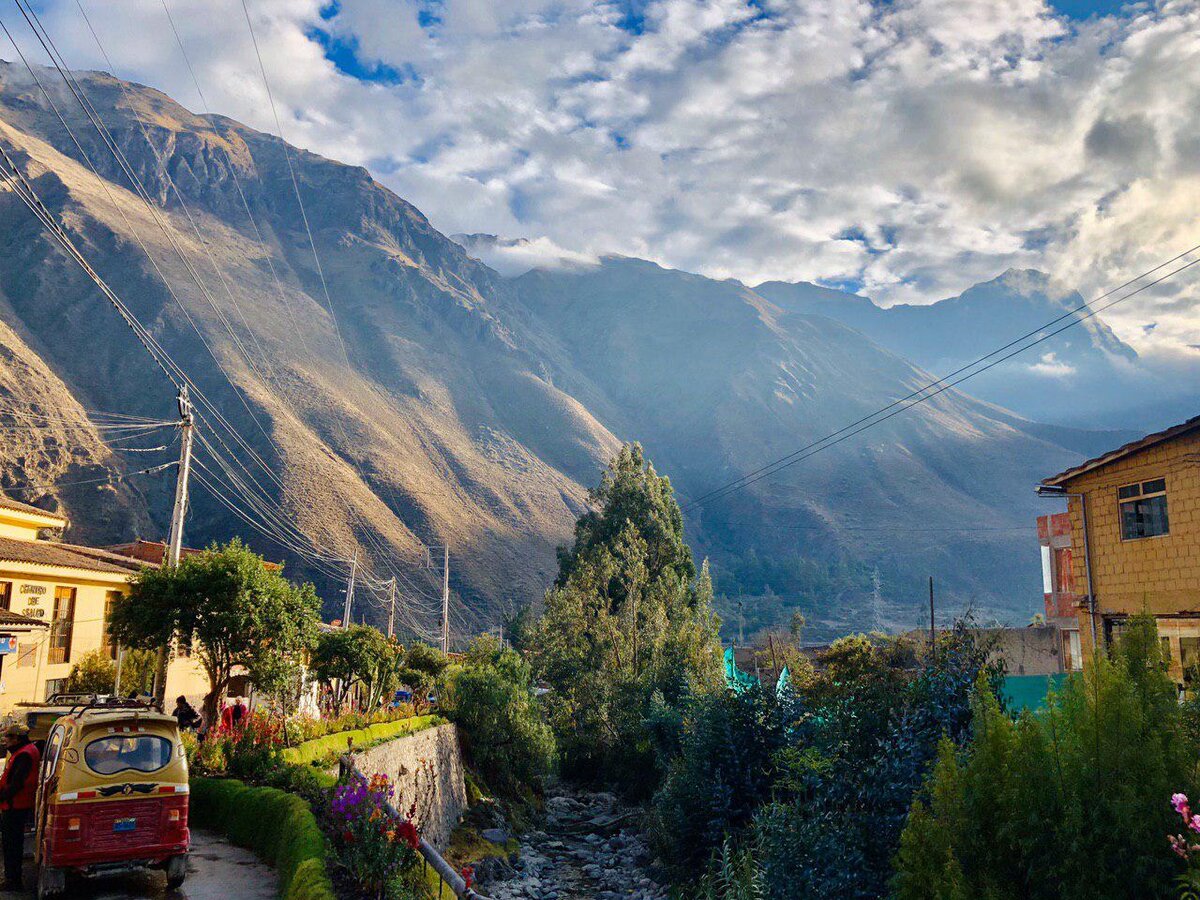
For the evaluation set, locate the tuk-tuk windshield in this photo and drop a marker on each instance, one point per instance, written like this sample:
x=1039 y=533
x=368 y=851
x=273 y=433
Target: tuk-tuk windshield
x=119 y=753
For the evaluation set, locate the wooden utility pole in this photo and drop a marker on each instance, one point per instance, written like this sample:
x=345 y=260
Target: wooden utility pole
x=350 y=589
x=187 y=426
x=932 y=635
x=446 y=599
x=392 y=610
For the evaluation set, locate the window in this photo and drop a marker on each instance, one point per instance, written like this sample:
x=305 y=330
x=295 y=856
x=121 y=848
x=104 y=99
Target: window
x=6 y=595
x=142 y=753
x=62 y=625
x=54 y=686
x=107 y=647
x=1143 y=509
x=1189 y=656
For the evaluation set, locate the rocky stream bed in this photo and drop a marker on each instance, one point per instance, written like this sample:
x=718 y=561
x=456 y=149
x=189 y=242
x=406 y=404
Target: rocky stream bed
x=588 y=848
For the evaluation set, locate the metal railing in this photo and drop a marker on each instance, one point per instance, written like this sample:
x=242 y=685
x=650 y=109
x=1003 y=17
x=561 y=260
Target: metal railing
x=348 y=769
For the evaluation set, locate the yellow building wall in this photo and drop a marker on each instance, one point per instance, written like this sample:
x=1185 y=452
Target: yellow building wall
x=1160 y=575
x=24 y=679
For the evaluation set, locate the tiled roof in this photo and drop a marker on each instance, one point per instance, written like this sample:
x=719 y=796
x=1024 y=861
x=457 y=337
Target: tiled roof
x=9 y=503
x=12 y=618
x=46 y=553
x=1125 y=450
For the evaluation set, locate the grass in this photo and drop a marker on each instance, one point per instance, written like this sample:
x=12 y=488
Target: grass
x=278 y=827
x=328 y=748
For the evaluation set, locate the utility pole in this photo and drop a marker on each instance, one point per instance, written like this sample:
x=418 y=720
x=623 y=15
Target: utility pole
x=350 y=589
x=187 y=426
x=446 y=599
x=932 y=636
x=392 y=610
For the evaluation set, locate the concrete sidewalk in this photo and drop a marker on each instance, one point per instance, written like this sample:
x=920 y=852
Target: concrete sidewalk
x=218 y=871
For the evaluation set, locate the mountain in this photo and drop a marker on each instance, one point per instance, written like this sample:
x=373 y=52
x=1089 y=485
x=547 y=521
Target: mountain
x=715 y=380
x=405 y=394
x=1083 y=375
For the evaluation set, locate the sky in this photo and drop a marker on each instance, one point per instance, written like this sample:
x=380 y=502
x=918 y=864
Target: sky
x=904 y=149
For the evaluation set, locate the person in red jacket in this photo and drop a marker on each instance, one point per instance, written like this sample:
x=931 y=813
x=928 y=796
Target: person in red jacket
x=18 y=790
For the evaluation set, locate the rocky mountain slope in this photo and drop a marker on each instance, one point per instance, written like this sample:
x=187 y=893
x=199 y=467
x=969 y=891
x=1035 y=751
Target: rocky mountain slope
x=1084 y=375
x=429 y=400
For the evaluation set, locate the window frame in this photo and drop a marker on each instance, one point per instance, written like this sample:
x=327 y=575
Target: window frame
x=1124 y=498
x=60 y=624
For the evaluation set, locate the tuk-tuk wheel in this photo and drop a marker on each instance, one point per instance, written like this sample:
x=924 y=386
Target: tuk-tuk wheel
x=176 y=871
x=51 y=882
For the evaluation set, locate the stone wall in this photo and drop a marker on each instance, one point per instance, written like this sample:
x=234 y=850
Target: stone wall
x=427 y=770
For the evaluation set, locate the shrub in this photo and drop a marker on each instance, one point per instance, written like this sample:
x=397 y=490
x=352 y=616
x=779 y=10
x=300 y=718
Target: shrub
x=860 y=741
x=1068 y=803
x=96 y=673
x=503 y=733
x=292 y=842
x=723 y=773
x=328 y=748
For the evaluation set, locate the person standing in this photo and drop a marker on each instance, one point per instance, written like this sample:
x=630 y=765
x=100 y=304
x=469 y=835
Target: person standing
x=18 y=790
x=186 y=714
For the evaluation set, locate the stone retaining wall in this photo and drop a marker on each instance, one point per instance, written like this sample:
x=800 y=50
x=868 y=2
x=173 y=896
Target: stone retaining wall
x=427 y=770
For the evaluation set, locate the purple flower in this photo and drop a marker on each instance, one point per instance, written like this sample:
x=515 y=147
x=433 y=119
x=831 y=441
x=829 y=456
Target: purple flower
x=1180 y=802
x=1194 y=824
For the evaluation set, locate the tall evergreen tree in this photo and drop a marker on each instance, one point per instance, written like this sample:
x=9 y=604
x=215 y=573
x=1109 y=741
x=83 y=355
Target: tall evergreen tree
x=628 y=623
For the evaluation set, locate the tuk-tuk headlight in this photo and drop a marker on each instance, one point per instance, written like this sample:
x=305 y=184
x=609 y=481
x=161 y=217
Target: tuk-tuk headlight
x=74 y=824
x=172 y=815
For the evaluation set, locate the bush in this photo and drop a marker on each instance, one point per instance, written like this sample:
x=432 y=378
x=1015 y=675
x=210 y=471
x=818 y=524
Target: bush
x=1068 y=803
x=96 y=673
x=723 y=774
x=503 y=733
x=329 y=747
x=292 y=842
x=864 y=732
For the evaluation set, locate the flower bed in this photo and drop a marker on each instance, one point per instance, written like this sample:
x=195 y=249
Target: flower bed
x=293 y=843
x=328 y=747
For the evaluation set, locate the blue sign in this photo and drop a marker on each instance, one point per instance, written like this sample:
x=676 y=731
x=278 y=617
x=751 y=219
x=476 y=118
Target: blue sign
x=8 y=644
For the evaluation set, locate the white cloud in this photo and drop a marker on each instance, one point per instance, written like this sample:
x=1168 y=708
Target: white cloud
x=1052 y=367
x=915 y=147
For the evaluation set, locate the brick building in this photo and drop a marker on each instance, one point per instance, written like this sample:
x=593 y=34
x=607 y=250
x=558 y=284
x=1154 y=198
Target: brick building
x=1059 y=592
x=1135 y=540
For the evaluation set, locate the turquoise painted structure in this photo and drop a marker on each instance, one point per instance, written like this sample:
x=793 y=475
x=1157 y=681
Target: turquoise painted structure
x=1029 y=691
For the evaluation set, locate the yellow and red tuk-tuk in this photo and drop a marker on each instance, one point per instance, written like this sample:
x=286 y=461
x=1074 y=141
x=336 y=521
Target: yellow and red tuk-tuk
x=112 y=796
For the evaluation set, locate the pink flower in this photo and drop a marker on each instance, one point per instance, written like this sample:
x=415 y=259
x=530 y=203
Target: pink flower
x=1178 y=845
x=1180 y=802
x=1194 y=824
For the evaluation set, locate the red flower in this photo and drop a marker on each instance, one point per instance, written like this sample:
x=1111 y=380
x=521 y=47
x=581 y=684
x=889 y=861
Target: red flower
x=408 y=831
x=468 y=874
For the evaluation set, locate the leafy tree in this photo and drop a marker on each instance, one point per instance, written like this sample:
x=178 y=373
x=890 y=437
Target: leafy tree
x=235 y=610
x=491 y=696
x=96 y=673
x=863 y=731
x=420 y=667
x=724 y=772
x=627 y=619
x=357 y=655
x=1071 y=802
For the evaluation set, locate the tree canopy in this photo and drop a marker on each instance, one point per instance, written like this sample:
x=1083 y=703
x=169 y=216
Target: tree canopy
x=356 y=655
x=232 y=609
x=628 y=619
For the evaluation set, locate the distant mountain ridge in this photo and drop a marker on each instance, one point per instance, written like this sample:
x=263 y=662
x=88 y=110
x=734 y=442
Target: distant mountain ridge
x=442 y=403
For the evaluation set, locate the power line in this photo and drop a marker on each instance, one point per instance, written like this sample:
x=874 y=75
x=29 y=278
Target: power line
x=118 y=476
x=899 y=406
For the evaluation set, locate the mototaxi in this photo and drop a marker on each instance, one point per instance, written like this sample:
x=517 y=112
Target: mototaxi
x=112 y=796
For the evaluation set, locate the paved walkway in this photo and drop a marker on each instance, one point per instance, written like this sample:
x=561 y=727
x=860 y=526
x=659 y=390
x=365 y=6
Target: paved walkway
x=217 y=871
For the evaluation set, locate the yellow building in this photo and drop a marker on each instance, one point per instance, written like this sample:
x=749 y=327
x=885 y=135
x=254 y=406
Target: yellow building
x=1135 y=527
x=54 y=599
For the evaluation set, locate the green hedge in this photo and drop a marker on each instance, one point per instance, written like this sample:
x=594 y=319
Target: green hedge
x=331 y=745
x=279 y=827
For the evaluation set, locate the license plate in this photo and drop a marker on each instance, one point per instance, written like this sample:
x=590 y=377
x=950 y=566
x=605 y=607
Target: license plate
x=125 y=825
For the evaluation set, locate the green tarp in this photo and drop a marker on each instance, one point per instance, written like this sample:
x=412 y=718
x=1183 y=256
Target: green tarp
x=1029 y=691
x=735 y=678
